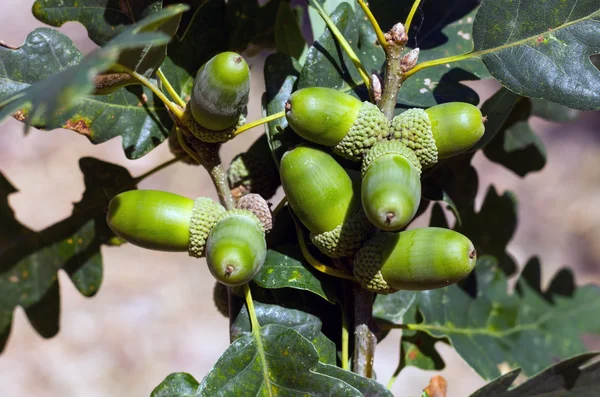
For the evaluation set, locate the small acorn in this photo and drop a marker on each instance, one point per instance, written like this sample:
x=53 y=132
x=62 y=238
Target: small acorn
x=325 y=199
x=391 y=185
x=438 y=132
x=416 y=259
x=219 y=98
x=236 y=248
x=332 y=118
x=254 y=171
x=163 y=221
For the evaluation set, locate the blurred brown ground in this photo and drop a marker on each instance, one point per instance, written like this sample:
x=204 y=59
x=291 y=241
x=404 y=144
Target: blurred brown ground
x=153 y=314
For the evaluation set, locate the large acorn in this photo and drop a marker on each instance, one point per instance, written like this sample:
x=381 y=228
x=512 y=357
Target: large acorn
x=332 y=118
x=254 y=171
x=236 y=248
x=219 y=98
x=391 y=185
x=163 y=221
x=438 y=132
x=416 y=259
x=325 y=199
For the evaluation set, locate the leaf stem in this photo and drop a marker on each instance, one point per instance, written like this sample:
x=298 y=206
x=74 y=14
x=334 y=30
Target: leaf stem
x=314 y=262
x=174 y=109
x=156 y=169
x=380 y=35
x=440 y=61
x=256 y=334
x=170 y=88
x=258 y=122
x=345 y=339
x=343 y=43
x=411 y=15
x=251 y=310
x=394 y=376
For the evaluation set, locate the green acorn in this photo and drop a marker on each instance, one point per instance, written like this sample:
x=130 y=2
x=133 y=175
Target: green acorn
x=391 y=185
x=236 y=248
x=163 y=221
x=336 y=119
x=416 y=259
x=219 y=98
x=438 y=132
x=254 y=171
x=325 y=199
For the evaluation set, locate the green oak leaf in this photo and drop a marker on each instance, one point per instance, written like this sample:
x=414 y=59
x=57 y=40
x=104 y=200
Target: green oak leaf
x=317 y=24
x=553 y=111
x=281 y=74
x=286 y=268
x=178 y=384
x=524 y=329
x=288 y=34
x=56 y=80
x=542 y=49
x=327 y=64
x=307 y=325
x=578 y=376
x=278 y=360
x=516 y=146
x=496 y=110
x=30 y=260
x=251 y=22
x=103 y=19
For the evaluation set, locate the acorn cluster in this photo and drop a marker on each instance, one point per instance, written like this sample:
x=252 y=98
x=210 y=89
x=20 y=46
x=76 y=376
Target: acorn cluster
x=362 y=216
x=351 y=212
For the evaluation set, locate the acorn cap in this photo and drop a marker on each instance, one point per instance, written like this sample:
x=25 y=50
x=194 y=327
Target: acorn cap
x=205 y=215
x=210 y=136
x=413 y=129
x=346 y=238
x=259 y=207
x=367 y=266
x=383 y=148
x=254 y=171
x=370 y=126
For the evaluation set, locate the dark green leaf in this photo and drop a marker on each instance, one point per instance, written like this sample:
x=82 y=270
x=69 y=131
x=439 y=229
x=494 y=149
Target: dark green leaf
x=57 y=90
x=496 y=110
x=542 y=50
x=288 y=36
x=178 y=384
x=29 y=260
x=286 y=268
x=317 y=24
x=553 y=111
x=103 y=19
x=523 y=329
x=367 y=387
x=205 y=35
x=576 y=377
x=249 y=22
x=305 y=324
x=277 y=360
x=327 y=64
x=281 y=73
x=516 y=146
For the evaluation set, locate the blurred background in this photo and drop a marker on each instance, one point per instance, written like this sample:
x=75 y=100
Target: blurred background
x=154 y=315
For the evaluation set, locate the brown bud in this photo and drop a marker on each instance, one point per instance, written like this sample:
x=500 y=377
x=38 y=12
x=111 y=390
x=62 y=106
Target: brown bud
x=259 y=207
x=376 y=87
x=410 y=60
x=397 y=35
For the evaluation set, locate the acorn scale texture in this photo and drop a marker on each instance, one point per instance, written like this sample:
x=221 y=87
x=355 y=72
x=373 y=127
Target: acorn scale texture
x=204 y=216
x=370 y=126
x=368 y=274
x=210 y=136
x=413 y=129
x=259 y=207
x=346 y=238
x=389 y=147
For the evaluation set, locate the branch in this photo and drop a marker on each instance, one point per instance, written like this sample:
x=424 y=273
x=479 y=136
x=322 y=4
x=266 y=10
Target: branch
x=364 y=338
